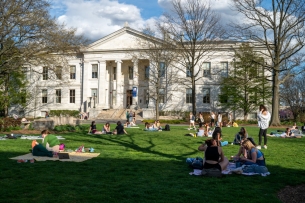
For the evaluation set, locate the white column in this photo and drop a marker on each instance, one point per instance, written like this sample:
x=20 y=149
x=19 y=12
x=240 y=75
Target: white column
x=102 y=83
x=119 y=93
x=135 y=81
x=85 y=78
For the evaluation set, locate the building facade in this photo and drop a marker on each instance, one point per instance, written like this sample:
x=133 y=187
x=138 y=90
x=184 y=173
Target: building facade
x=107 y=75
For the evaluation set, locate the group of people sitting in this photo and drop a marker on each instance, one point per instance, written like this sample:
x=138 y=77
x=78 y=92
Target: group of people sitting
x=290 y=132
x=248 y=154
x=119 y=129
x=156 y=126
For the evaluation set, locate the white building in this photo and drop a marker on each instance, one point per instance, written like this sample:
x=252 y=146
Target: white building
x=105 y=74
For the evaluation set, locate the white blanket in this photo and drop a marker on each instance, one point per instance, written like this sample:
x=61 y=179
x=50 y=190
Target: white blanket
x=32 y=137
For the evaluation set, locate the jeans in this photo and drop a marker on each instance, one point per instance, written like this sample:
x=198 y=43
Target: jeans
x=262 y=132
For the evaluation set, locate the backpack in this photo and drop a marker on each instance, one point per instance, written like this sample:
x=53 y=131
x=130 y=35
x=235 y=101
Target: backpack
x=166 y=128
x=193 y=117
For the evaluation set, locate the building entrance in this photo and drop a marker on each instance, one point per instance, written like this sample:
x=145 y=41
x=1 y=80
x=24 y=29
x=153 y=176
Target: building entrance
x=128 y=98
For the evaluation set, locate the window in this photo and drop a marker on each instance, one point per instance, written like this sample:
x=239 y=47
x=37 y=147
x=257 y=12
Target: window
x=23 y=96
x=161 y=69
x=253 y=98
x=72 y=72
x=206 y=66
x=94 y=70
x=114 y=73
x=146 y=72
x=130 y=71
x=146 y=96
x=93 y=92
x=44 y=96
x=72 y=96
x=188 y=70
x=58 y=72
x=189 y=95
x=206 y=95
x=224 y=69
x=45 y=75
x=161 y=95
x=58 y=95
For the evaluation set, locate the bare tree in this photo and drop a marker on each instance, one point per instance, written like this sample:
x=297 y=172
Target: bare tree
x=279 y=27
x=160 y=75
x=196 y=29
x=292 y=94
x=29 y=36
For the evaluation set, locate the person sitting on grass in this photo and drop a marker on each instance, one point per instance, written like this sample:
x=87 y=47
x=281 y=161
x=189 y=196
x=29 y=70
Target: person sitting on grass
x=206 y=129
x=106 y=129
x=254 y=155
x=303 y=128
x=214 y=156
x=200 y=132
x=119 y=129
x=49 y=146
x=148 y=127
x=92 y=129
x=240 y=136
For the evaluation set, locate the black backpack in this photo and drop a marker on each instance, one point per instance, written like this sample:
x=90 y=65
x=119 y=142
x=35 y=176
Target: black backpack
x=166 y=128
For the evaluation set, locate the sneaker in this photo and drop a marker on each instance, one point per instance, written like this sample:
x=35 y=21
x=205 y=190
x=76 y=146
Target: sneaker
x=258 y=147
x=265 y=146
x=188 y=128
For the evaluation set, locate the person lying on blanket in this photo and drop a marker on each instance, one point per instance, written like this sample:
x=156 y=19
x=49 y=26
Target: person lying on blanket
x=49 y=146
x=214 y=157
x=253 y=156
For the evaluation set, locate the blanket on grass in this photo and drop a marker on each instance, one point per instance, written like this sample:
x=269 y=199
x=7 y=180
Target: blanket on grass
x=74 y=157
x=32 y=137
x=228 y=171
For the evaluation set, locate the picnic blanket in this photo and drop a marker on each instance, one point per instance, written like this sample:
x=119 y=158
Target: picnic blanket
x=32 y=137
x=74 y=157
x=228 y=171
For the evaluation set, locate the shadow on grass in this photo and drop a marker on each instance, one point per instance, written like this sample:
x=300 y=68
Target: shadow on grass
x=115 y=179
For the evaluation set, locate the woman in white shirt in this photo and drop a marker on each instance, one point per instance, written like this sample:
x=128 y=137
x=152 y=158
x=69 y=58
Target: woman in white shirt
x=263 y=124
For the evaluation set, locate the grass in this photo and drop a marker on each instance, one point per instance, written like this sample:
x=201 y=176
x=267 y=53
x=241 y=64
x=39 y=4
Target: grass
x=145 y=167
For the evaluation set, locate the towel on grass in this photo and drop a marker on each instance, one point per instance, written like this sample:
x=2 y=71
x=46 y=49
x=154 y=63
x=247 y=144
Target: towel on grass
x=74 y=157
x=32 y=137
x=228 y=171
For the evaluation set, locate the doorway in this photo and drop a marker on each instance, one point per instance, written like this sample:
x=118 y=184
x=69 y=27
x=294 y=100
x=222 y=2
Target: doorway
x=128 y=98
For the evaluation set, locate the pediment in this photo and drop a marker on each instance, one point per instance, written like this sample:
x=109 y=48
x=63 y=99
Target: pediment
x=123 y=39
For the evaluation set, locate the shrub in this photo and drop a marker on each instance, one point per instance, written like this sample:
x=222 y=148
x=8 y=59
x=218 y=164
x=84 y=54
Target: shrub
x=8 y=124
x=70 y=128
x=164 y=121
x=72 y=113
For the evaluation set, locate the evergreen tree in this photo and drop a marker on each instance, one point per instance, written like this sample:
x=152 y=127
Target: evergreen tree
x=247 y=86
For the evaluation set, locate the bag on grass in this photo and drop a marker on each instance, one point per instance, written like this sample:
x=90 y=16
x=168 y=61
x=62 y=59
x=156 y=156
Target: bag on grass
x=62 y=146
x=166 y=128
x=195 y=163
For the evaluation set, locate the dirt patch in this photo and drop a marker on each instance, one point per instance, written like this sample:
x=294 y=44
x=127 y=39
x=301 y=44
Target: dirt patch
x=291 y=194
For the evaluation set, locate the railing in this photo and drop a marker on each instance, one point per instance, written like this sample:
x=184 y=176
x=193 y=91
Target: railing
x=116 y=111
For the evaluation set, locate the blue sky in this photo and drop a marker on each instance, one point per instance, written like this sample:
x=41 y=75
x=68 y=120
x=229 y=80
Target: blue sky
x=98 y=18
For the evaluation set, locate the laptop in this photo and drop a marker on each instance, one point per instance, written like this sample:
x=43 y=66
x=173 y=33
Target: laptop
x=63 y=155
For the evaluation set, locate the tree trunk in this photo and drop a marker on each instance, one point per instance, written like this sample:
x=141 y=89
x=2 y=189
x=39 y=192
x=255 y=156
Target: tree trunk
x=275 y=121
x=157 y=109
x=193 y=96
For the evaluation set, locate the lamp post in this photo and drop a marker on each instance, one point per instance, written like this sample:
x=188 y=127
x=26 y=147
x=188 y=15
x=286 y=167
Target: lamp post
x=90 y=101
x=94 y=97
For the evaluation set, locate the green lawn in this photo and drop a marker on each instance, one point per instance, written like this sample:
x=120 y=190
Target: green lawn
x=145 y=167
